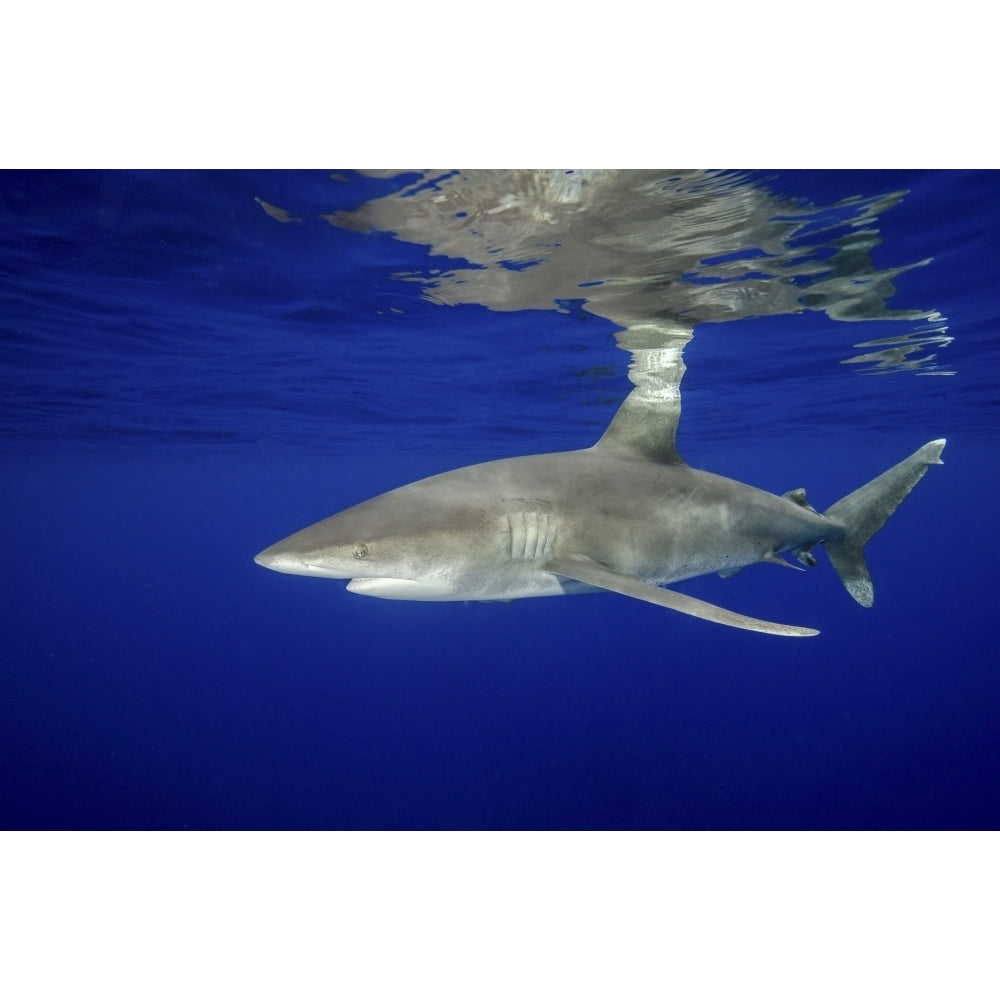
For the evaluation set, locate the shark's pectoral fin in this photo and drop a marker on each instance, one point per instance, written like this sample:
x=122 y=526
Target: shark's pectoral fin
x=586 y=570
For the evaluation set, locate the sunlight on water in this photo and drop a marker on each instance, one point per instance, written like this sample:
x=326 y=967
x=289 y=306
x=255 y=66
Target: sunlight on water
x=895 y=353
x=212 y=310
x=656 y=253
x=648 y=247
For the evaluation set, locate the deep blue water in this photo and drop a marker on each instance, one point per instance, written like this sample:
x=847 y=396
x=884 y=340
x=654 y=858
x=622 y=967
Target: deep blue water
x=186 y=378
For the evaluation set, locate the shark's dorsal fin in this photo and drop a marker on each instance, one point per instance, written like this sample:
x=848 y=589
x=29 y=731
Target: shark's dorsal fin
x=645 y=427
x=799 y=498
x=586 y=570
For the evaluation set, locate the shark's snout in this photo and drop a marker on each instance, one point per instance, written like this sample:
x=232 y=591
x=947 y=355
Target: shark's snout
x=283 y=558
x=270 y=558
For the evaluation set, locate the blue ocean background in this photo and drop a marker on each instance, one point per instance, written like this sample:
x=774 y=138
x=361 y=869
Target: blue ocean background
x=195 y=364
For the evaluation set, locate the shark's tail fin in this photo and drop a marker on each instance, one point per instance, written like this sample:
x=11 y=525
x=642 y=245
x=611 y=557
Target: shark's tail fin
x=864 y=511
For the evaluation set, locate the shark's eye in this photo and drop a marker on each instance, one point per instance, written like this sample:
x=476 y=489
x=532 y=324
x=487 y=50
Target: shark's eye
x=360 y=550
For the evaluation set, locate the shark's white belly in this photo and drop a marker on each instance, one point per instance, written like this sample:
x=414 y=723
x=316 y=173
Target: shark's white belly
x=525 y=584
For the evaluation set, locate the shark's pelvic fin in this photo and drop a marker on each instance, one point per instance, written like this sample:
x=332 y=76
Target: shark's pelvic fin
x=864 y=511
x=586 y=570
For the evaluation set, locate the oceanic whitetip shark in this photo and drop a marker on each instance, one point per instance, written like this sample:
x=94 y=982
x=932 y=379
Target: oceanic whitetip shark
x=625 y=515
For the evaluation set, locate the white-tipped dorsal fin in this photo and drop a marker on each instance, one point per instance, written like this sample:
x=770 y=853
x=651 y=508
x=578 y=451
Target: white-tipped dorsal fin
x=646 y=428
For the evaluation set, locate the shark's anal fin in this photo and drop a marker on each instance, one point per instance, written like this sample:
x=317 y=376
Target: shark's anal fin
x=586 y=570
x=776 y=558
x=771 y=557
